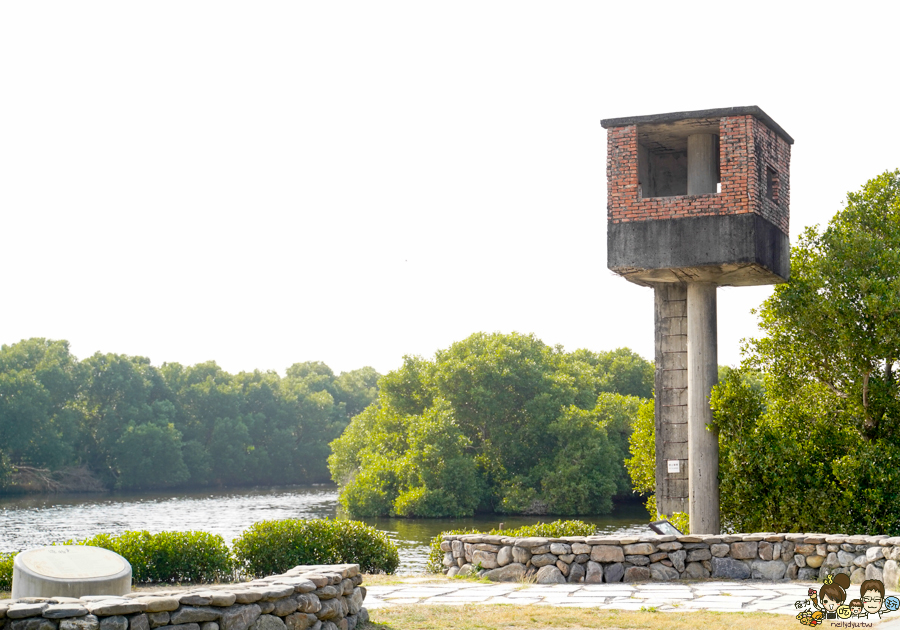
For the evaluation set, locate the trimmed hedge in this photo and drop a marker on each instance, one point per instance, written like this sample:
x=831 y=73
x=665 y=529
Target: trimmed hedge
x=270 y=547
x=6 y=570
x=556 y=529
x=265 y=548
x=169 y=556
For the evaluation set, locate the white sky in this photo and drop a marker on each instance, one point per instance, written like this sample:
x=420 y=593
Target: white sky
x=262 y=183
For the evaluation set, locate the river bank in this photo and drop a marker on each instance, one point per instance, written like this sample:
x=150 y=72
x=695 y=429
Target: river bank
x=41 y=519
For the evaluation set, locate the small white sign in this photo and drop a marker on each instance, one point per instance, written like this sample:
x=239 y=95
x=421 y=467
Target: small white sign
x=674 y=465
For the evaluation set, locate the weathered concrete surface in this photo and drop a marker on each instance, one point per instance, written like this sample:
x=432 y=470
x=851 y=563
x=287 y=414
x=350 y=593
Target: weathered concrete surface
x=729 y=250
x=670 y=324
x=703 y=444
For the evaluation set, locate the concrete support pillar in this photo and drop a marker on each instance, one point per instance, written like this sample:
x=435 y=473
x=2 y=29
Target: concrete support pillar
x=703 y=444
x=702 y=164
x=671 y=398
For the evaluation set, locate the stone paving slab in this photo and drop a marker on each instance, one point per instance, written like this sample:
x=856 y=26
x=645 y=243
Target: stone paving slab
x=761 y=596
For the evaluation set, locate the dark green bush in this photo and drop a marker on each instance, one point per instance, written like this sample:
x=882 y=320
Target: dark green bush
x=6 y=570
x=556 y=529
x=270 y=547
x=170 y=556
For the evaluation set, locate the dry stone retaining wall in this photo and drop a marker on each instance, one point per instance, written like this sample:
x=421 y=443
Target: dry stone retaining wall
x=595 y=559
x=328 y=597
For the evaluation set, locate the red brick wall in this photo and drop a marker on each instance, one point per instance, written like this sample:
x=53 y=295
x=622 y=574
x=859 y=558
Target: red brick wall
x=746 y=148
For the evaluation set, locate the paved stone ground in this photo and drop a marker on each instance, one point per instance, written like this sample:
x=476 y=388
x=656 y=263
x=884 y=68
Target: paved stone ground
x=745 y=596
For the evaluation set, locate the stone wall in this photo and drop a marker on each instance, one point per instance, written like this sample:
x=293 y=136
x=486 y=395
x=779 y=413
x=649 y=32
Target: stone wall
x=328 y=597
x=596 y=559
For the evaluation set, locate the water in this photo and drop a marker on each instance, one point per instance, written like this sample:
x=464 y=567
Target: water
x=35 y=520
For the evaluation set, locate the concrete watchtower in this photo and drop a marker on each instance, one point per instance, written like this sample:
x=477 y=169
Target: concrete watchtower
x=696 y=200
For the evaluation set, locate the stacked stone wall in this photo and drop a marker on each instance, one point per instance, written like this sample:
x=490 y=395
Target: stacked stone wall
x=328 y=597
x=747 y=147
x=596 y=559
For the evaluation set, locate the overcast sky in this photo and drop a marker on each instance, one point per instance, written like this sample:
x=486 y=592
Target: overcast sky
x=262 y=183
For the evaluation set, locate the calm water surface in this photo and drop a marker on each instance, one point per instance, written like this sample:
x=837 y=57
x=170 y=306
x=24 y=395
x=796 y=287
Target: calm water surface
x=35 y=520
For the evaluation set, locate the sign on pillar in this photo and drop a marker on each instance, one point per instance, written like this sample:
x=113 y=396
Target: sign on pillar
x=696 y=200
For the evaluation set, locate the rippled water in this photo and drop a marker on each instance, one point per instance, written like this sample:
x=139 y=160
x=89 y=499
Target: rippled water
x=36 y=520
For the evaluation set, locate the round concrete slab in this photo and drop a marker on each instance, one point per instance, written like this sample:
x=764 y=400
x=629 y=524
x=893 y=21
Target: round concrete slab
x=70 y=571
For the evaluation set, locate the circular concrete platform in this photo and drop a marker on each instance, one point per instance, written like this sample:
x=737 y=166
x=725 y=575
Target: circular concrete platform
x=70 y=571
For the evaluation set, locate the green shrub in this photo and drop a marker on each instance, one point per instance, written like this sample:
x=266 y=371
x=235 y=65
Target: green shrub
x=271 y=547
x=169 y=556
x=556 y=529
x=6 y=570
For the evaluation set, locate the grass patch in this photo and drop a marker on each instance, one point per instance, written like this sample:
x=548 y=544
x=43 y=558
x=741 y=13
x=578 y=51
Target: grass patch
x=504 y=617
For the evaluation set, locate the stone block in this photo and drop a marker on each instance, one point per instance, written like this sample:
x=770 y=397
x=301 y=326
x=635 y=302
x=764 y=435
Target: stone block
x=158 y=619
x=504 y=556
x=593 y=573
x=767 y=569
x=563 y=567
x=614 y=572
x=729 y=568
x=560 y=549
x=719 y=550
x=62 y=611
x=639 y=549
x=874 y=573
x=550 y=575
x=698 y=555
x=744 y=550
x=576 y=574
x=239 y=616
x=874 y=553
x=607 y=553
x=487 y=559
x=695 y=571
x=521 y=555
x=678 y=558
x=268 y=622
x=807 y=574
x=661 y=573
x=640 y=561
x=636 y=574
x=814 y=562
x=891 y=575
x=543 y=560
x=192 y=614
x=579 y=548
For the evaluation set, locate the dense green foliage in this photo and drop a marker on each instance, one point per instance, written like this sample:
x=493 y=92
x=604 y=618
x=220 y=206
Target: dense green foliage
x=270 y=547
x=6 y=570
x=495 y=423
x=169 y=556
x=817 y=446
x=136 y=426
x=556 y=529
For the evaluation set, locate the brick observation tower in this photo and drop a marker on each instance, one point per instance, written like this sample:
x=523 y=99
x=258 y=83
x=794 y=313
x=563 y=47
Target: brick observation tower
x=696 y=200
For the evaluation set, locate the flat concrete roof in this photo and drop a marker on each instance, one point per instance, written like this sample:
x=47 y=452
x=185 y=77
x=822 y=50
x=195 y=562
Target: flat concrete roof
x=750 y=110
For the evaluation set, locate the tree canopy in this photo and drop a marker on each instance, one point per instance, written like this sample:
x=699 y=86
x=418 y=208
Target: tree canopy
x=816 y=447
x=496 y=422
x=136 y=426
